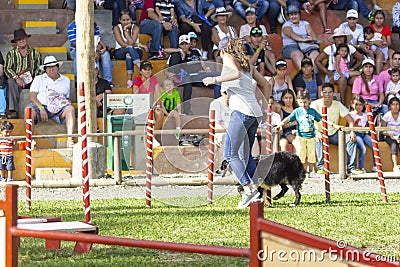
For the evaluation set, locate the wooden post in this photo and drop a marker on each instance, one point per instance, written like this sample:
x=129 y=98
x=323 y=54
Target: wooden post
x=84 y=18
x=342 y=154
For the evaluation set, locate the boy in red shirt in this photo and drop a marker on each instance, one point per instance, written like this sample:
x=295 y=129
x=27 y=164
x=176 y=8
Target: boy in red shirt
x=6 y=151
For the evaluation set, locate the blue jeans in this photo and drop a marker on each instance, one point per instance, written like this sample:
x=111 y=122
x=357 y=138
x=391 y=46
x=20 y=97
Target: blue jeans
x=260 y=11
x=363 y=8
x=132 y=10
x=362 y=140
x=218 y=3
x=344 y=5
x=3 y=103
x=155 y=29
x=105 y=63
x=383 y=109
x=239 y=140
x=351 y=149
x=135 y=54
x=273 y=12
x=118 y=5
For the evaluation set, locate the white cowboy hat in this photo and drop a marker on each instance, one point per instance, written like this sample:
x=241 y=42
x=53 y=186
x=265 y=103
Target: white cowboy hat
x=50 y=61
x=339 y=32
x=220 y=11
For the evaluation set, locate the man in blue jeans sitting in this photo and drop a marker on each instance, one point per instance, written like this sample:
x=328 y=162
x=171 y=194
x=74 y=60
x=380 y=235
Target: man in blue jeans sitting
x=335 y=110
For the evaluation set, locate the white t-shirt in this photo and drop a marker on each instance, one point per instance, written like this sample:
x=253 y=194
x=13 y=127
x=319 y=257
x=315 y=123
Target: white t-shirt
x=331 y=50
x=358 y=33
x=42 y=83
x=392 y=87
x=245 y=30
x=361 y=121
x=388 y=118
x=222 y=112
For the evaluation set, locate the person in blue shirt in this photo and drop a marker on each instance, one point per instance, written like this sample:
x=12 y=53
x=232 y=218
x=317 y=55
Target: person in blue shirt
x=305 y=117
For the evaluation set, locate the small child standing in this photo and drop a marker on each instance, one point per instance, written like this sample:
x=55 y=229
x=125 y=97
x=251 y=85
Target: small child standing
x=393 y=86
x=6 y=151
x=170 y=103
x=305 y=117
x=342 y=63
x=362 y=138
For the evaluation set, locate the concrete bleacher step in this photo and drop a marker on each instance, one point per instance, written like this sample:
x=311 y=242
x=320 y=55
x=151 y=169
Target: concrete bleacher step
x=59 y=52
x=32 y=4
x=53 y=174
x=40 y=27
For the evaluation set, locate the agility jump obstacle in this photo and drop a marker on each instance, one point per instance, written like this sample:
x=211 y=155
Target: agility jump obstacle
x=265 y=236
x=325 y=144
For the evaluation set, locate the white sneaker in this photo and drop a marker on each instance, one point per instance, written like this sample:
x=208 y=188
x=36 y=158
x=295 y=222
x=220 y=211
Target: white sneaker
x=156 y=143
x=247 y=199
x=374 y=169
x=204 y=55
x=100 y=3
x=396 y=169
x=376 y=8
x=313 y=174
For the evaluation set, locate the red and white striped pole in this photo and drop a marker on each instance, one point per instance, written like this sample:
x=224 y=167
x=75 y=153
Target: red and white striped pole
x=84 y=153
x=268 y=138
x=376 y=153
x=149 y=156
x=325 y=144
x=211 y=155
x=28 y=156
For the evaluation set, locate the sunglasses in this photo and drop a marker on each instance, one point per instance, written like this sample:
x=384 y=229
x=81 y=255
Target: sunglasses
x=256 y=31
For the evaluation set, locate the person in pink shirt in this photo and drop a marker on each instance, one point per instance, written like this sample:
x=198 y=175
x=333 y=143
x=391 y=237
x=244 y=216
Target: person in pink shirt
x=384 y=76
x=369 y=87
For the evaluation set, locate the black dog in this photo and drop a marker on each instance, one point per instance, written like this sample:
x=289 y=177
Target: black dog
x=280 y=168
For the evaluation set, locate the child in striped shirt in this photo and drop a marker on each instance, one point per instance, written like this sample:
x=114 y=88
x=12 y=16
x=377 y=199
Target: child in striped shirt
x=6 y=151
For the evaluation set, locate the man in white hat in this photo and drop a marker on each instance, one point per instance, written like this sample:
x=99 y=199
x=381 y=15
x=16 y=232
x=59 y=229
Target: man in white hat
x=21 y=66
x=355 y=59
x=49 y=97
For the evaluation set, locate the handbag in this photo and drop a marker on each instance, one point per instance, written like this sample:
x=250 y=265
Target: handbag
x=306 y=47
x=56 y=101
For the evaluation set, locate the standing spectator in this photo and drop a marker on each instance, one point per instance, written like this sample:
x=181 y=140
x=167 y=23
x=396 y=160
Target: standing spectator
x=369 y=87
x=221 y=30
x=392 y=118
x=49 y=97
x=338 y=37
x=246 y=115
x=261 y=7
x=296 y=32
x=335 y=110
x=154 y=25
x=360 y=118
x=305 y=116
x=307 y=80
x=251 y=19
x=193 y=15
x=352 y=27
x=104 y=56
x=393 y=87
x=384 y=76
x=260 y=52
x=21 y=67
x=379 y=27
x=6 y=152
x=288 y=105
x=3 y=88
x=127 y=44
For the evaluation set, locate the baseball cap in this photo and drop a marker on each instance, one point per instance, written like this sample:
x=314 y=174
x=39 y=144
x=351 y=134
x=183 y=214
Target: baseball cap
x=352 y=13
x=146 y=64
x=280 y=63
x=193 y=35
x=250 y=9
x=256 y=31
x=368 y=61
x=293 y=9
x=184 y=39
x=306 y=61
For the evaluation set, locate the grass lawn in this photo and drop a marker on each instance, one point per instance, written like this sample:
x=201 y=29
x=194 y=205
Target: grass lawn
x=362 y=220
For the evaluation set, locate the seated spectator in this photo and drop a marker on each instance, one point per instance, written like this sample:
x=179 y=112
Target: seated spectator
x=342 y=64
x=104 y=59
x=221 y=30
x=260 y=52
x=260 y=6
x=21 y=67
x=394 y=63
x=49 y=97
x=369 y=87
x=299 y=39
x=279 y=83
x=352 y=27
x=307 y=80
x=289 y=103
x=3 y=88
x=119 y=5
x=156 y=26
x=276 y=9
x=392 y=118
x=127 y=44
x=371 y=50
x=251 y=22
x=193 y=16
x=357 y=5
x=378 y=25
x=329 y=52
x=393 y=87
x=102 y=86
x=320 y=5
